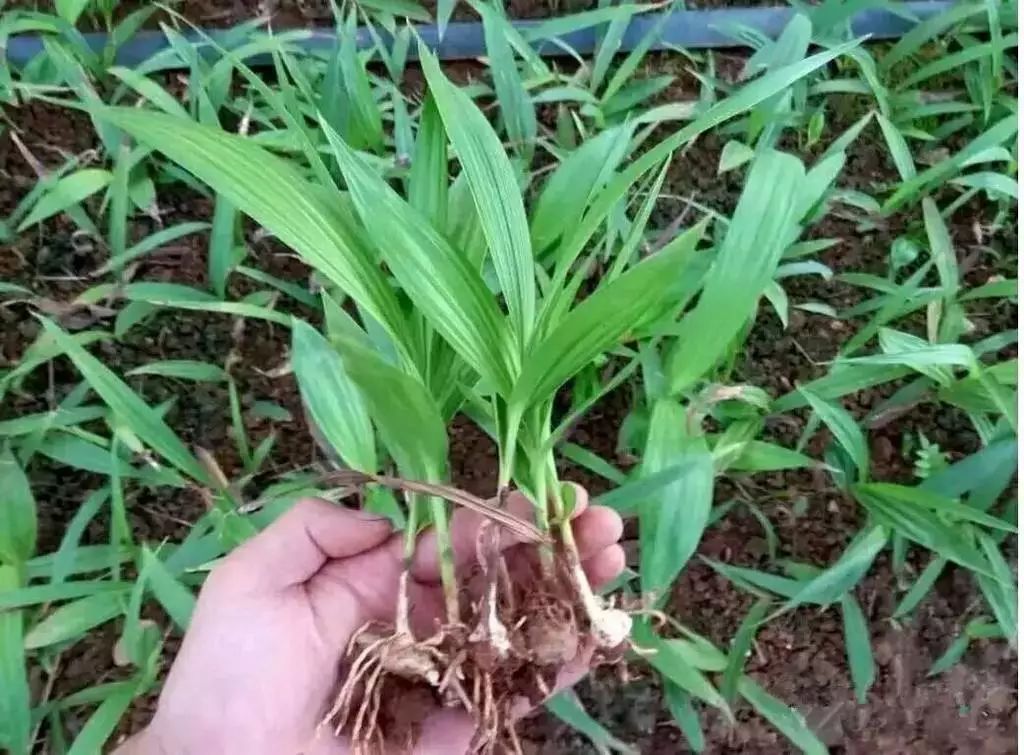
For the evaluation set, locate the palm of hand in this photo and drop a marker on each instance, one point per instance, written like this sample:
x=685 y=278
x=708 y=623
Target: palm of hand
x=261 y=657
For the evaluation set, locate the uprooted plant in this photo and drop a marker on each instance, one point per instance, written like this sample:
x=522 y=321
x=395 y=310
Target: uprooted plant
x=475 y=324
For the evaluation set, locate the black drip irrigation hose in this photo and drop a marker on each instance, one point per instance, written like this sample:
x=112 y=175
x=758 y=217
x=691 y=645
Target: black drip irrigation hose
x=691 y=29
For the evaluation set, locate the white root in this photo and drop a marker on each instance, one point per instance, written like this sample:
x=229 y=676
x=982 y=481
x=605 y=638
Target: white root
x=609 y=627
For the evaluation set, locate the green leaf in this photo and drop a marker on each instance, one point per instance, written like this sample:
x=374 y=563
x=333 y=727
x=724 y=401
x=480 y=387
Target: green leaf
x=782 y=717
x=310 y=219
x=517 y=113
x=947 y=506
x=741 y=644
x=419 y=454
x=734 y=154
x=998 y=289
x=941 y=245
x=757 y=582
x=672 y=523
x=567 y=191
x=73 y=620
x=591 y=461
x=428 y=176
x=495 y=192
x=858 y=648
x=1001 y=593
x=66 y=193
x=952 y=655
x=672 y=664
x=36 y=594
x=922 y=585
x=151 y=242
x=995 y=136
x=335 y=404
x=566 y=706
x=69 y=552
x=744 y=99
x=150 y=90
x=103 y=721
x=132 y=410
x=222 y=254
x=845 y=429
x=681 y=707
x=70 y=10
x=925 y=527
x=445 y=288
x=15 y=702
x=762 y=228
x=17 y=512
x=927 y=30
x=183 y=369
x=176 y=599
x=901 y=155
x=830 y=584
x=602 y=320
x=762 y=456
x=626 y=498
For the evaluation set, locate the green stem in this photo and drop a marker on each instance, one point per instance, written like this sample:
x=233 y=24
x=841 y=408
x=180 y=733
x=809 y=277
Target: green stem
x=540 y=508
x=446 y=560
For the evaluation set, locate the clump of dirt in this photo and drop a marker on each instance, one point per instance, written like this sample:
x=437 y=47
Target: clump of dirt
x=515 y=634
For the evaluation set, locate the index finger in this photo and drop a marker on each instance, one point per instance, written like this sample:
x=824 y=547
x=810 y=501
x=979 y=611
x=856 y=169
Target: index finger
x=465 y=529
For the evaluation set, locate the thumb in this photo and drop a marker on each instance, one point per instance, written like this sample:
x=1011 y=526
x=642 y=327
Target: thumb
x=297 y=545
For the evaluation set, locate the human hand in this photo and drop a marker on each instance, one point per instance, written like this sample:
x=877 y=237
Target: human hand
x=262 y=654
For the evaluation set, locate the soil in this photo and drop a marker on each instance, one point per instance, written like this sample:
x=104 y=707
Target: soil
x=800 y=658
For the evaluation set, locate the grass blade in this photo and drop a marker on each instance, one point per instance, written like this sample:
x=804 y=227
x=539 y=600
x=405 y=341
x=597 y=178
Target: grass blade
x=830 y=584
x=517 y=113
x=15 y=704
x=222 y=254
x=495 y=192
x=782 y=717
x=602 y=320
x=845 y=429
x=857 y=637
x=308 y=218
x=176 y=599
x=672 y=523
x=566 y=706
x=17 y=512
x=183 y=369
x=762 y=228
x=941 y=245
x=741 y=644
x=132 y=410
x=680 y=705
x=73 y=620
x=335 y=404
x=926 y=528
x=66 y=193
x=103 y=721
x=428 y=176
x=445 y=288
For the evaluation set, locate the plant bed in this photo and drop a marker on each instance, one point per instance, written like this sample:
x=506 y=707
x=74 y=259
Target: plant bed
x=800 y=657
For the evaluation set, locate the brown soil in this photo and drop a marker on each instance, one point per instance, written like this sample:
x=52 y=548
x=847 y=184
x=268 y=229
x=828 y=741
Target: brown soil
x=799 y=658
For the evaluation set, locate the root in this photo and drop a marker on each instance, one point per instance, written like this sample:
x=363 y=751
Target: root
x=515 y=633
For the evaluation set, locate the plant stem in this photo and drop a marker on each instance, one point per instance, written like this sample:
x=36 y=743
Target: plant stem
x=609 y=627
x=439 y=517
x=439 y=513
x=541 y=492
